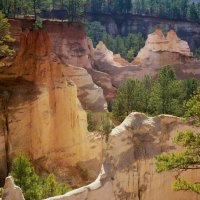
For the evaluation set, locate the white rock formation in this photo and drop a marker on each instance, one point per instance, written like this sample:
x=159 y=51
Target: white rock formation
x=11 y=191
x=157 y=42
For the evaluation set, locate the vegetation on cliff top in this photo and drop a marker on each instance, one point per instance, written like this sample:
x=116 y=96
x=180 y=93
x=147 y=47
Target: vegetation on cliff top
x=5 y=38
x=187 y=159
x=170 y=9
x=164 y=95
x=34 y=186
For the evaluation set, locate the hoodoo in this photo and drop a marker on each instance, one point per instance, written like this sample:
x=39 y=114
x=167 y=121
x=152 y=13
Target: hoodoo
x=158 y=49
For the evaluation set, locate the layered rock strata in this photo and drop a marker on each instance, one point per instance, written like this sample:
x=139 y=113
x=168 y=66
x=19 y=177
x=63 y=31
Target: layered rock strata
x=128 y=170
x=163 y=50
x=41 y=114
x=71 y=45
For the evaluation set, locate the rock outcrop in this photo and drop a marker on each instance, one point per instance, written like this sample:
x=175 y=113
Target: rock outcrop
x=157 y=52
x=11 y=191
x=128 y=172
x=41 y=114
x=102 y=54
x=158 y=49
x=70 y=44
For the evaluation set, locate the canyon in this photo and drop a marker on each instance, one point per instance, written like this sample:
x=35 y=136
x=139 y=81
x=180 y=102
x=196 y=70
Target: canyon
x=56 y=76
x=128 y=172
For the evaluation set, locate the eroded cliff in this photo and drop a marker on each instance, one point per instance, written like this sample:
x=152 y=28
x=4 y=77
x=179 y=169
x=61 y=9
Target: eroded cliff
x=73 y=48
x=41 y=114
x=128 y=172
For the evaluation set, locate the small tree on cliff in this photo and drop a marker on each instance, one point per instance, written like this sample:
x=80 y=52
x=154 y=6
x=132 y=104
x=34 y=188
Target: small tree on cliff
x=26 y=178
x=34 y=186
x=5 y=37
x=192 y=107
x=187 y=159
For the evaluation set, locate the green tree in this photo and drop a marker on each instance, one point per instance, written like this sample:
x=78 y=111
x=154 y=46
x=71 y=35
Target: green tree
x=35 y=187
x=50 y=187
x=106 y=125
x=192 y=107
x=5 y=38
x=167 y=94
x=91 y=122
x=26 y=178
x=132 y=96
x=75 y=9
x=95 y=31
x=187 y=159
x=191 y=86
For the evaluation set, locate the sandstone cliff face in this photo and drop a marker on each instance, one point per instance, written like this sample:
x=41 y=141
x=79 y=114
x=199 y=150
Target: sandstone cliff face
x=165 y=47
x=71 y=45
x=41 y=115
x=11 y=191
x=128 y=172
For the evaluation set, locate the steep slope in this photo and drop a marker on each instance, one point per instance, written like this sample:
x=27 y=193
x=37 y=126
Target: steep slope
x=41 y=114
x=71 y=45
x=128 y=172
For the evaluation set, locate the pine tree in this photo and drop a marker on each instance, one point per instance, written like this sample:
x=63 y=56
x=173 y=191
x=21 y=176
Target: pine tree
x=26 y=178
x=187 y=159
x=5 y=38
x=192 y=107
x=167 y=94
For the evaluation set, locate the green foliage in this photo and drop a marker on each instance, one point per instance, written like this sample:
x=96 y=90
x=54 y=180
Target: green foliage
x=26 y=178
x=192 y=107
x=95 y=31
x=34 y=186
x=38 y=23
x=164 y=95
x=128 y=47
x=197 y=53
x=184 y=185
x=191 y=86
x=187 y=159
x=75 y=9
x=170 y=9
x=91 y=122
x=5 y=37
x=132 y=96
x=167 y=94
x=106 y=125
x=50 y=186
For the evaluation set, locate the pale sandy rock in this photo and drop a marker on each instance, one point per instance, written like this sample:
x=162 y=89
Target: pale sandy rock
x=104 y=81
x=129 y=165
x=42 y=116
x=157 y=42
x=11 y=191
x=118 y=59
x=90 y=95
x=102 y=54
x=70 y=44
